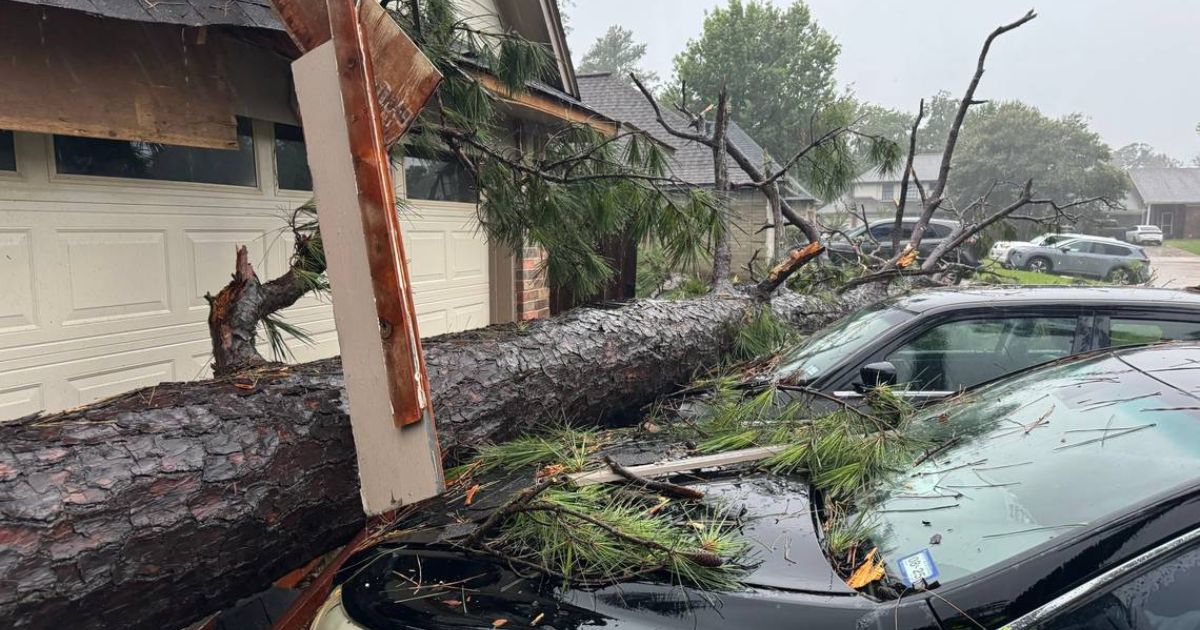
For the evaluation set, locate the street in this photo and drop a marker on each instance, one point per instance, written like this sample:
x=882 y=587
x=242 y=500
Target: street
x=1173 y=267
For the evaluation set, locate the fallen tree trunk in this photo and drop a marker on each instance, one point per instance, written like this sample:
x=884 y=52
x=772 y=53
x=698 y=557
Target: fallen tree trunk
x=154 y=508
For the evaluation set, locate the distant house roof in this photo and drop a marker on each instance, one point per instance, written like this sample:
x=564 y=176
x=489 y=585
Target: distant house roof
x=1167 y=185
x=926 y=166
x=691 y=161
x=250 y=13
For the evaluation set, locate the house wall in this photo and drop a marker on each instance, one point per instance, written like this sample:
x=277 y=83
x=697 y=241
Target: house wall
x=749 y=212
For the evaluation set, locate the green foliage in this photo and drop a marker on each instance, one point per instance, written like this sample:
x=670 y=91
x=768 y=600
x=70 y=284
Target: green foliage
x=565 y=446
x=1142 y=155
x=762 y=334
x=581 y=551
x=616 y=52
x=567 y=194
x=778 y=64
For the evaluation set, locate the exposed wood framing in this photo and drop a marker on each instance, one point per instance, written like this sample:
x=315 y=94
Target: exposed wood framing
x=532 y=102
x=337 y=87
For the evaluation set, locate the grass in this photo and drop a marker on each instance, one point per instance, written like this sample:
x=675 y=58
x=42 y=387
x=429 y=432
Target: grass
x=1190 y=245
x=1020 y=276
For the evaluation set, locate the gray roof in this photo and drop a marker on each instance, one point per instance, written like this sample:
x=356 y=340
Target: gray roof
x=691 y=161
x=1167 y=185
x=251 y=13
x=925 y=164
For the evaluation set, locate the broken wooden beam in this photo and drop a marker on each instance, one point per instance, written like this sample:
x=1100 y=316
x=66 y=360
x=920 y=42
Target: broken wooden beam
x=676 y=466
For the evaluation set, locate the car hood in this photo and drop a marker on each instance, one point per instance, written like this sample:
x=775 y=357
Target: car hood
x=790 y=575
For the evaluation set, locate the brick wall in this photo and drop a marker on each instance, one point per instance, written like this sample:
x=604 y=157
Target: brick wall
x=748 y=214
x=532 y=292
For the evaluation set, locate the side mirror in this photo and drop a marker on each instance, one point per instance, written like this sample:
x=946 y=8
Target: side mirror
x=878 y=373
x=1064 y=249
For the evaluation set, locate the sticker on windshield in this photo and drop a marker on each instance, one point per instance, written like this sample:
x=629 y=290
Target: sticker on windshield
x=917 y=568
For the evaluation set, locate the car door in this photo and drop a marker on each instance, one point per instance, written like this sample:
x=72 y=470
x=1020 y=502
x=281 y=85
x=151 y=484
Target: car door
x=947 y=356
x=1074 y=257
x=1154 y=591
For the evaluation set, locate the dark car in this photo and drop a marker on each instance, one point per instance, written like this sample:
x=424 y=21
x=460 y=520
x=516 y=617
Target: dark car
x=1064 y=497
x=933 y=343
x=876 y=239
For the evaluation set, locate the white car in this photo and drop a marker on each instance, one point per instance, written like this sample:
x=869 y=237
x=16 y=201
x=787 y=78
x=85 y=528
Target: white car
x=1145 y=235
x=1001 y=249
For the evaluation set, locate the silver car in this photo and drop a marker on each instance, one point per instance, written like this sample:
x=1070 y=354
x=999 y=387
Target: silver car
x=1091 y=256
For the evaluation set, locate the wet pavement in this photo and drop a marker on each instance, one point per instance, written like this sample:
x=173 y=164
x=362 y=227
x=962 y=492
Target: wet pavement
x=1173 y=267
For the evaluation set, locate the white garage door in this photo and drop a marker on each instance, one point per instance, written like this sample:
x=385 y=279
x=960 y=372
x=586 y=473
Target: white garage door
x=102 y=279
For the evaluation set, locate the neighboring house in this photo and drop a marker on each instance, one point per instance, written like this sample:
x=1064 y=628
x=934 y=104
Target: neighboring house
x=112 y=231
x=692 y=162
x=876 y=193
x=1168 y=198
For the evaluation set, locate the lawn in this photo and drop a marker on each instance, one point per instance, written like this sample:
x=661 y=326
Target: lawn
x=1018 y=276
x=1186 y=244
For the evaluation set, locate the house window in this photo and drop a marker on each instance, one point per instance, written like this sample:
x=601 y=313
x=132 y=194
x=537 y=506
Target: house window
x=889 y=191
x=151 y=160
x=8 y=151
x=438 y=179
x=291 y=159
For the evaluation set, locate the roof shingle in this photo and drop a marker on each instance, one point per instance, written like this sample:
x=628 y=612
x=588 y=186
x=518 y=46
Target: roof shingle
x=251 y=13
x=1167 y=185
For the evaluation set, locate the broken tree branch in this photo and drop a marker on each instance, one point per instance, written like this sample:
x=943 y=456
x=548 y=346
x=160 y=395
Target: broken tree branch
x=938 y=194
x=904 y=179
x=661 y=487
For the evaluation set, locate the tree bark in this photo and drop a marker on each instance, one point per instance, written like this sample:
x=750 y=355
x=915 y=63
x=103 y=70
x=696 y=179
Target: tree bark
x=155 y=508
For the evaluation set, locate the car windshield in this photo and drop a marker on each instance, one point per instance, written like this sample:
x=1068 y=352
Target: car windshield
x=824 y=350
x=1043 y=455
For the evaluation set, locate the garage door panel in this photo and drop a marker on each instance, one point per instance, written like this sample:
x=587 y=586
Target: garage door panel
x=103 y=283
x=426 y=251
x=115 y=274
x=95 y=386
x=469 y=260
x=21 y=401
x=17 y=306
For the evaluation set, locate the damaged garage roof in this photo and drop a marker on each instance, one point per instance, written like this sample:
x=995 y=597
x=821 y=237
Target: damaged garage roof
x=249 y=13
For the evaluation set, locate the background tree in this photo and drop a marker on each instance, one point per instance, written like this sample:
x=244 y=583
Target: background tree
x=777 y=63
x=1142 y=155
x=615 y=51
x=1066 y=159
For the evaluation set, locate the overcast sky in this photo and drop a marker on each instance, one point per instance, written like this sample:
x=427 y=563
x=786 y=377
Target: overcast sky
x=1129 y=66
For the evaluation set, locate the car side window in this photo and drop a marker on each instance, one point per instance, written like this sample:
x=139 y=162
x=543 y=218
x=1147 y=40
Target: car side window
x=1079 y=247
x=1114 y=250
x=1161 y=598
x=882 y=231
x=939 y=231
x=1124 y=332
x=960 y=354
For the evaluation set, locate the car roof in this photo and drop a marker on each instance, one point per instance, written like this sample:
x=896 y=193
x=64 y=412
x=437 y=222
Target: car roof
x=913 y=221
x=929 y=300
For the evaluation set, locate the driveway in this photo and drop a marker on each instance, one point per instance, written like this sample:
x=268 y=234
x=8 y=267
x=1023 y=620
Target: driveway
x=1173 y=267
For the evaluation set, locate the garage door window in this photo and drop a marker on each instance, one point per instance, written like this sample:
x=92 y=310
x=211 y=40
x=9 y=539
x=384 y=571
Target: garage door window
x=150 y=160
x=438 y=179
x=8 y=151
x=291 y=158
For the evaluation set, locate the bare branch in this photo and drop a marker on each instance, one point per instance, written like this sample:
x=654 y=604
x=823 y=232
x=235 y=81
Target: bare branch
x=904 y=179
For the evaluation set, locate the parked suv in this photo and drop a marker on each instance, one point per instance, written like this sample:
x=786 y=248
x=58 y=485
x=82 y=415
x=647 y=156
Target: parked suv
x=875 y=239
x=1145 y=235
x=1092 y=256
x=1000 y=249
